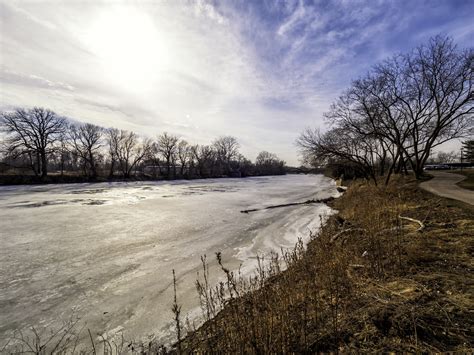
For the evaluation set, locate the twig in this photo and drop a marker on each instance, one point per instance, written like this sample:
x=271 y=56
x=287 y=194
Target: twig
x=176 y=311
x=92 y=341
x=337 y=235
x=422 y=226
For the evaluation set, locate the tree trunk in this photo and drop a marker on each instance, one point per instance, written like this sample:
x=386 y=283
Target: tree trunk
x=419 y=171
x=111 y=171
x=44 y=165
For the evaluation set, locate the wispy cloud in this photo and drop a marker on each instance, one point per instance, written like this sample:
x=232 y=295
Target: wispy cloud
x=260 y=70
x=30 y=80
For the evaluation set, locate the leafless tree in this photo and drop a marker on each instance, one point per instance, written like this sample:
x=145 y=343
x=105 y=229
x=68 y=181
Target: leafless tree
x=34 y=133
x=269 y=164
x=184 y=156
x=167 y=146
x=39 y=138
x=205 y=157
x=127 y=150
x=433 y=91
x=446 y=157
x=226 y=148
x=86 y=141
x=343 y=145
x=403 y=108
x=113 y=140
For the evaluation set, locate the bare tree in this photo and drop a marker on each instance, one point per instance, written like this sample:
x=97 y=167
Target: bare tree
x=39 y=138
x=33 y=132
x=403 y=108
x=127 y=150
x=343 y=145
x=269 y=164
x=86 y=141
x=438 y=98
x=204 y=156
x=446 y=157
x=167 y=146
x=184 y=156
x=113 y=142
x=245 y=166
x=226 y=148
x=428 y=93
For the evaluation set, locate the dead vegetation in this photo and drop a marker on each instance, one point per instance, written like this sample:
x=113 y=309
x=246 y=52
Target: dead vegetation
x=391 y=272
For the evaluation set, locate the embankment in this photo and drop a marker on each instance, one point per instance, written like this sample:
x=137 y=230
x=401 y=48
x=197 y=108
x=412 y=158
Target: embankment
x=392 y=271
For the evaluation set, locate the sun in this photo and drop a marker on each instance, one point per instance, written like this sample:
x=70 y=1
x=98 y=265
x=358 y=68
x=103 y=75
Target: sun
x=130 y=49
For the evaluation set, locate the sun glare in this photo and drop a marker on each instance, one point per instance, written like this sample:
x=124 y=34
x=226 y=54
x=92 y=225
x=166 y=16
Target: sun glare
x=130 y=49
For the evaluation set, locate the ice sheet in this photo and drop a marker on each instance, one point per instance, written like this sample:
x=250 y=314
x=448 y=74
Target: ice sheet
x=105 y=252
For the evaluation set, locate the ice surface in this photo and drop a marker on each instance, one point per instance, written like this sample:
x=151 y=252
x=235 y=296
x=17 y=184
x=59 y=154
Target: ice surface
x=105 y=252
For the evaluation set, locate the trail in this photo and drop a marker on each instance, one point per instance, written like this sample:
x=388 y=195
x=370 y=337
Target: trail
x=444 y=184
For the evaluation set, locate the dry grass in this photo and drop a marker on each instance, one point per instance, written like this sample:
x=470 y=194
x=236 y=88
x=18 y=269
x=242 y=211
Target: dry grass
x=369 y=281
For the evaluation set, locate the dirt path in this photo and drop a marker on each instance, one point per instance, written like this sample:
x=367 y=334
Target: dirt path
x=444 y=184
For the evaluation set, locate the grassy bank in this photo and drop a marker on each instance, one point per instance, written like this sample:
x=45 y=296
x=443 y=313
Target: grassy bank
x=391 y=272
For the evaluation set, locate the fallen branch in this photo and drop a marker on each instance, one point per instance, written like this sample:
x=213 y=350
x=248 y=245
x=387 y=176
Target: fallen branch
x=307 y=202
x=422 y=226
x=337 y=235
x=357 y=266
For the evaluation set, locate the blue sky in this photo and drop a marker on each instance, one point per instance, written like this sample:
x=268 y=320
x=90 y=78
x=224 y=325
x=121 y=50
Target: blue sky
x=259 y=70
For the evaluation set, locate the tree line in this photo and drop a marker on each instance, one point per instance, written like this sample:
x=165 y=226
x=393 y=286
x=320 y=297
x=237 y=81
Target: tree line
x=391 y=119
x=43 y=141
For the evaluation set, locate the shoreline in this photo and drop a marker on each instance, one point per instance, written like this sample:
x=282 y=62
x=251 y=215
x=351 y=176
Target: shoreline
x=149 y=226
x=19 y=180
x=374 y=293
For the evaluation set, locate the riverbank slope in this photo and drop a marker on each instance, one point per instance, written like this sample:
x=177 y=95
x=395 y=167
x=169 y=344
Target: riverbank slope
x=391 y=272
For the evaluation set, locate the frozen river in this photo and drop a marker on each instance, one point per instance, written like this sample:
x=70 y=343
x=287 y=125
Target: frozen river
x=105 y=252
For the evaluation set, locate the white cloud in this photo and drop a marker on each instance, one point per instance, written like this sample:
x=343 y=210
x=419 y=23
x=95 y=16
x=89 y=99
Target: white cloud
x=293 y=20
x=259 y=70
x=205 y=8
x=31 y=80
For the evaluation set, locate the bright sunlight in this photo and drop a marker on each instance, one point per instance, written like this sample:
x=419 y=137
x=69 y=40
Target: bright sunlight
x=128 y=46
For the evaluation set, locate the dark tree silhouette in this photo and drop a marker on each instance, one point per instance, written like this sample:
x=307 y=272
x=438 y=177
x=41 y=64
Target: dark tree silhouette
x=167 y=146
x=401 y=110
x=86 y=141
x=227 y=149
x=33 y=132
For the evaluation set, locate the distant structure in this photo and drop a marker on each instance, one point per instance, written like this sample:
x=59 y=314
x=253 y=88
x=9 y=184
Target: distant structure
x=467 y=151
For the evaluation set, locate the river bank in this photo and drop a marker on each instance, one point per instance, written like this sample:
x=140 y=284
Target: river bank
x=391 y=272
x=57 y=178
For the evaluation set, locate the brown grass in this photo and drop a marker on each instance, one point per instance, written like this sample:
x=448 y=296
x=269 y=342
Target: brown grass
x=368 y=281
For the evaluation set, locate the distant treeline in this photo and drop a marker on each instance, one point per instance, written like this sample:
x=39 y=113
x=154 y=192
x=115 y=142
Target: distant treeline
x=39 y=144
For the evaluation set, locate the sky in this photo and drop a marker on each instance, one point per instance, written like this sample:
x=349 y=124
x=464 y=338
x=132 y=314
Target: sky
x=259 y=70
